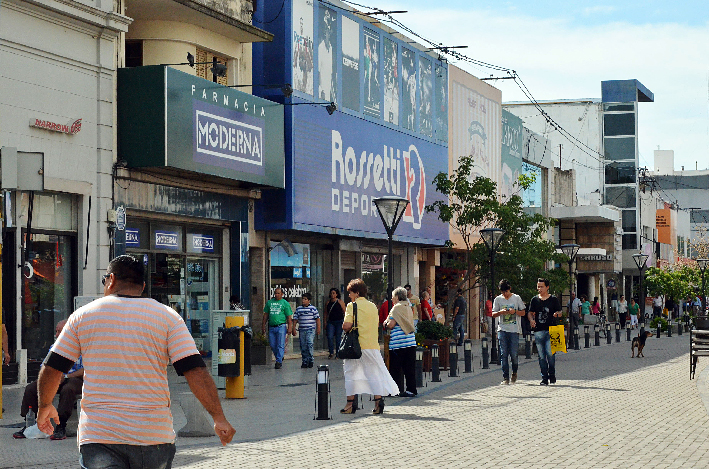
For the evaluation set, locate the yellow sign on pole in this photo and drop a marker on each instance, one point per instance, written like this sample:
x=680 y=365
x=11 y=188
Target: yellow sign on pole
x=235 y=385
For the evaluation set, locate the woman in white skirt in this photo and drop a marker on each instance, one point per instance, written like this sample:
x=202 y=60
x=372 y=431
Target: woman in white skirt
x=366 y=375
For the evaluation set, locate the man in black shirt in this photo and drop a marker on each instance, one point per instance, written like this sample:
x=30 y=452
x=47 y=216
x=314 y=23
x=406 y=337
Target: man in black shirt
x=460 y=309
x=544 y=310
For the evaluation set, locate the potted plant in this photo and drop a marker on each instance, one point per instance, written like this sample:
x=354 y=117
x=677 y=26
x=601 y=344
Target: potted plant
x=260 y=350
x=429 y=333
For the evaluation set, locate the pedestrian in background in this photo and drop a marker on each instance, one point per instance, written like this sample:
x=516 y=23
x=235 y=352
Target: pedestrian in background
x=126 y=343
x=368 y=374
x=426 y=310
x=585 y=310
x=509 y=308
x=544 y=311
x=596 y=308
x=633 y=310
x=460 y=309
x=415 y=303
x=277 y=316
x=402 y=344
x=622 y=311
x=306 y=320
x=335 y=308
x=574 y=308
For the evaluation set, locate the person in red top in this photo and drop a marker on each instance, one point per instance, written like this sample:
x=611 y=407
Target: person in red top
x=383 y=311
x=488 y=313
x=426 y=311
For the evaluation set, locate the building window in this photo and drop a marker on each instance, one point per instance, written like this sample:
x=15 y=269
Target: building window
x=615 y=107
x=629 y=223
x=619 y=124
x=202 y=69
x=134 y=53
x=619 y=148
x=620 y=173
x=621 y=196
x=630 y=241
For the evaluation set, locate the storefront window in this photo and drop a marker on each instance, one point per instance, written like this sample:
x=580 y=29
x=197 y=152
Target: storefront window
x=48 y=290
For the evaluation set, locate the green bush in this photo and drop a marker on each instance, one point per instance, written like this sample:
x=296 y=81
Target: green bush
x=655 y=321
x=433 y=330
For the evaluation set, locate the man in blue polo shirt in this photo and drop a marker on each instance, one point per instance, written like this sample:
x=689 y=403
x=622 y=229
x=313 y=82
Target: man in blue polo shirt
x=307 y=318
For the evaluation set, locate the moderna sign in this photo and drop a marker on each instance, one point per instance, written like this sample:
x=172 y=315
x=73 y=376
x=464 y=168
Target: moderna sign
x=365 y=161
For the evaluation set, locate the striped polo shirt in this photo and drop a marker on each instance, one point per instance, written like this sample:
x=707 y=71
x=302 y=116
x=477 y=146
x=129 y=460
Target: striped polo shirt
x=306 y=316
x=397 y=339
x=126 y=345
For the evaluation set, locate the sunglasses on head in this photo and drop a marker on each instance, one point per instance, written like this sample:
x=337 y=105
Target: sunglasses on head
x=103 y=279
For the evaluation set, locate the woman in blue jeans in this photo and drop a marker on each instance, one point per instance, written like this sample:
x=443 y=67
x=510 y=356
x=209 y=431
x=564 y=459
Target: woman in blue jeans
x=335 y=315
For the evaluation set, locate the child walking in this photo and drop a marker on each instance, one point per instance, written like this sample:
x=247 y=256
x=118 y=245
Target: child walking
x=307 y=318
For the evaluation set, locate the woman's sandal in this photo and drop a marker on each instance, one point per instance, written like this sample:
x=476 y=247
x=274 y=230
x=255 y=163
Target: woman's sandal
x=349 y=410
x=379 y=406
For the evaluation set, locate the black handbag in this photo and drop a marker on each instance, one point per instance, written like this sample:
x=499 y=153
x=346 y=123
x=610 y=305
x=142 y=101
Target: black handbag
x=349 y=345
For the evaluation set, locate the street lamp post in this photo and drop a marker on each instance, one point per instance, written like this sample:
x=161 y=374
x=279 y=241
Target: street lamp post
x=570 y=251
x=703 y=263
x=390 y=211
x=640 y=261
x=492 y=237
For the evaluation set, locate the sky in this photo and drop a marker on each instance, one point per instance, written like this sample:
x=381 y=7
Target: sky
x=564 y=49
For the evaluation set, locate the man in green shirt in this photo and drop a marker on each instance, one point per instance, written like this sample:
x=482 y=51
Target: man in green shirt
x=277 y=315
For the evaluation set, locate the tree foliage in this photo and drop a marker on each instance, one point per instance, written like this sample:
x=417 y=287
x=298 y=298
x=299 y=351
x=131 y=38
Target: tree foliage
x=673 y=282
x=473 y=204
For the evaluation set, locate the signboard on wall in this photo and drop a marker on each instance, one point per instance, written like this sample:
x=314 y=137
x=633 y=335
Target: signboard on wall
x=362 y=161
x=303 y=46
x=511 y=156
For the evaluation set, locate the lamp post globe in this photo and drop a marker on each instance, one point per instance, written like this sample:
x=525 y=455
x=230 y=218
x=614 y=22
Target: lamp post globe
x=492 y=237
x=390 y=209
x=640 y=261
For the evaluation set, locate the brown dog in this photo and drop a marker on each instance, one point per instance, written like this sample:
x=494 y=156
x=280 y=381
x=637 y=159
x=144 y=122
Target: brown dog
x=639 y=342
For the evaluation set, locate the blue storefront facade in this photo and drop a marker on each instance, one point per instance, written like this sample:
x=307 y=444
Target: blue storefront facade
x=387 y=136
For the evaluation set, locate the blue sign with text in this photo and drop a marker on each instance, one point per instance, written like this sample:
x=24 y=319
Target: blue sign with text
x=166 y=240
x=132 y=238
x=203 y=243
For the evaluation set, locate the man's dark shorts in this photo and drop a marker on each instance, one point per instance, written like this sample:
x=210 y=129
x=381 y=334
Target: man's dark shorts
x=100 y=456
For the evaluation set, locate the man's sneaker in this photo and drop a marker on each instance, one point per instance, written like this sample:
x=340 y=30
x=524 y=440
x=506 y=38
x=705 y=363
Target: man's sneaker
x=59 y=434
x=552 y=380
x=407 y=394
x=544 y=382
x=19 y=434
x=279 y=365
x=513 y=380
x=505 y=382
x=310 y=365
x=304 y=365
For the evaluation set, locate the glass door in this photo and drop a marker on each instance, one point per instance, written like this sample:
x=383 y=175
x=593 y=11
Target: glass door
x=167 y=280
x=202 y=297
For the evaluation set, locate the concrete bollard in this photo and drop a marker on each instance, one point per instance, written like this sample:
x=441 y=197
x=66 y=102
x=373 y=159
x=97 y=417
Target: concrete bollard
x=468 y=355
x=199 y=423
x=485 y=356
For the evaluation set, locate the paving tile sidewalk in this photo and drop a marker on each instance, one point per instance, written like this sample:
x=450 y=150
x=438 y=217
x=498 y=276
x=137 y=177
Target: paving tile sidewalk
x=645 y=410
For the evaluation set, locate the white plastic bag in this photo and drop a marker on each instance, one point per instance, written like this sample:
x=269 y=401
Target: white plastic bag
x=34 y=432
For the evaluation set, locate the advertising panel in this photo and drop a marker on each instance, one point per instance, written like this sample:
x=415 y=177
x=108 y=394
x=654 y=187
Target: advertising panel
x=426 y=71
x=391 y=82
x=511 y=155
x=475 y=117
x=350 y=64
x=372 y=99
x=408 y=78
x=303 y=46
x=442 y=100
x=363 y=161
x=327 y=55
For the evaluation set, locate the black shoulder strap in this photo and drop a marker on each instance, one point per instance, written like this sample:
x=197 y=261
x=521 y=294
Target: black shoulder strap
x=354 y=309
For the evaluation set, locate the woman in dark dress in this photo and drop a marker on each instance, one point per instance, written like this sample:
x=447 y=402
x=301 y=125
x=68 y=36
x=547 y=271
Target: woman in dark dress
x=335 y=315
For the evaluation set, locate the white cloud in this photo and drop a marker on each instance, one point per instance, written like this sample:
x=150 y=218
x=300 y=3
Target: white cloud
x=599 y=9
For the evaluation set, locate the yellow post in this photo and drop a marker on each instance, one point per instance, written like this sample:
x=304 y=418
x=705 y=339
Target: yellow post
x=235 y=385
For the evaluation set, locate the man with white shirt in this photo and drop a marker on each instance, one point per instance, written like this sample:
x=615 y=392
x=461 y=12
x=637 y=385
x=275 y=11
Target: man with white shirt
x=509 y=308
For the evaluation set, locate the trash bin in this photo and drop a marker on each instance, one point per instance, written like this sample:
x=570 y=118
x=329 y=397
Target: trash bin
x=228 y=342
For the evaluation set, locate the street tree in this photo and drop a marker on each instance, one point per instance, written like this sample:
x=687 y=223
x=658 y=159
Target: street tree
x=472 y=204
x=675 y=282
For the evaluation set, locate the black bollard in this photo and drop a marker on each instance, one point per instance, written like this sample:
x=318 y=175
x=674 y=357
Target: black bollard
x=528 y=346
x=576 y=338
x=468 y=355
x=669 y=328
x=485 y=356
x=452 y=359
x=642 y=328
x=435 y=366
x=679 y=327
x=596 y=335
x=323 y=393
x=419 y=367
x=608 y=334
x=587 y=337
x=617 y=332
x=627 y=331
x=659 y=329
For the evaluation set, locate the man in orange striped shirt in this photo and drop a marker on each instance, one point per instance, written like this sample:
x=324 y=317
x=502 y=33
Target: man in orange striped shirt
x=127 y=342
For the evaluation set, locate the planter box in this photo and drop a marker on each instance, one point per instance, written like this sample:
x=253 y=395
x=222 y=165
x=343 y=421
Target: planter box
x=442 y=354
x=261 y=355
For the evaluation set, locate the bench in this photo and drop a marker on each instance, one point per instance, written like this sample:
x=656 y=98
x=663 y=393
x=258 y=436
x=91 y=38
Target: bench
x=698 y=342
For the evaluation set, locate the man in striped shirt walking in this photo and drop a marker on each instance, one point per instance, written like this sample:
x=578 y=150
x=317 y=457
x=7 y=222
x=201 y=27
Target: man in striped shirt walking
x=126 y=343
x=308 y=320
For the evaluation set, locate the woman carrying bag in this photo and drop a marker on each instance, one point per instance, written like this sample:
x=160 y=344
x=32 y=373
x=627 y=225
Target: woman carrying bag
x=402 y=344
x=368 y=374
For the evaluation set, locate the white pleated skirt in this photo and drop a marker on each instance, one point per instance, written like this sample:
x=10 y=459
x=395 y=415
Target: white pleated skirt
x=369 y=375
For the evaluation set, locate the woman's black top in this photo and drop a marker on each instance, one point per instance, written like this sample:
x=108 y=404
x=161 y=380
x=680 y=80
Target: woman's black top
x=334 y=311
